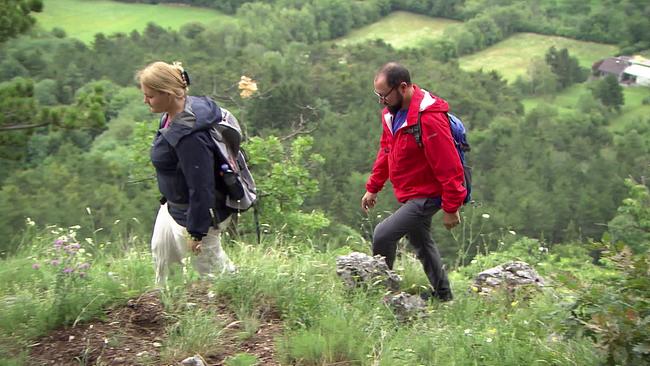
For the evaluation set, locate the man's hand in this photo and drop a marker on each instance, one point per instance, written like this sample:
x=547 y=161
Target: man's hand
x=450 y=219
x=194 y=246
x=368 y=201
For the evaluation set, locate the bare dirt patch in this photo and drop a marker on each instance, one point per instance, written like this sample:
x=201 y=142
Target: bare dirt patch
x=135 y=333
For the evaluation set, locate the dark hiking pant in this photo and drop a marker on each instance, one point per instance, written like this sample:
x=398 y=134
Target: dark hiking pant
x=413 y=219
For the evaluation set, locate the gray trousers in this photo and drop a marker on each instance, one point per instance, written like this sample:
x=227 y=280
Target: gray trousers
x=413 y=219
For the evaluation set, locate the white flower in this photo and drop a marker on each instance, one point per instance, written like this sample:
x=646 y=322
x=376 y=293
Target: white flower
x=485 y=216
x=512 y=232
x=29 y=222
x=488 y=340
x=468 y=331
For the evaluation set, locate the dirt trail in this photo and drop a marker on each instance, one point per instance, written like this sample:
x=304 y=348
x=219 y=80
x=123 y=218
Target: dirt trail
x=134 y=334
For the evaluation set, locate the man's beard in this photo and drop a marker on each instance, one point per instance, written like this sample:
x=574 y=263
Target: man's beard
x=393 y=108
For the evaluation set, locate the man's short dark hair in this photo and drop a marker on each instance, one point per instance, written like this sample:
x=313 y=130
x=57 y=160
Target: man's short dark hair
x=395 y=74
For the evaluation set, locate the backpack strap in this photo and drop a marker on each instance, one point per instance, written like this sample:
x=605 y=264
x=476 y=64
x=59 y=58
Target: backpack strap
x=416 y=131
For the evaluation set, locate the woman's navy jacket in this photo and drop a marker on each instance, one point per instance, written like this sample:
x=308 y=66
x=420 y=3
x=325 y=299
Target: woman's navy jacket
x=184 y=157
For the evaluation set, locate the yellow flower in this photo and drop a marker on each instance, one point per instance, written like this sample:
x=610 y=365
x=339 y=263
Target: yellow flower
x=247 y=87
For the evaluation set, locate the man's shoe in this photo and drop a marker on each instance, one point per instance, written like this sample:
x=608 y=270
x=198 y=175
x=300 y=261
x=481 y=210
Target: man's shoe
x=443 y=296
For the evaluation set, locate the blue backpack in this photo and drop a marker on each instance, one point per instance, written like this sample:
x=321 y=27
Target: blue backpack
x=458 y=132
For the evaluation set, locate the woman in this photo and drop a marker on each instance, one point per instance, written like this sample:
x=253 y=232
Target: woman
x=193 y=212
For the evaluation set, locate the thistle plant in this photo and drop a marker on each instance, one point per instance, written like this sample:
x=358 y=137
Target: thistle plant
x=68 y=263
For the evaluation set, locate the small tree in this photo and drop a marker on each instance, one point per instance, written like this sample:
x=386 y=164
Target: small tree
x=609 y=92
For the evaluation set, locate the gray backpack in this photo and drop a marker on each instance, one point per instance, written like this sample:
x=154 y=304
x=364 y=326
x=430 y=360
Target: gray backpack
x=240 y=184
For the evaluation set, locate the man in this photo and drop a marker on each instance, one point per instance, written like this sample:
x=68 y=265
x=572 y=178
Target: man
x=425 y=178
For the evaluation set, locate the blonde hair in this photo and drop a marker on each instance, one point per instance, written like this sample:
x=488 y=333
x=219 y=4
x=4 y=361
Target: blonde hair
x=164 y=77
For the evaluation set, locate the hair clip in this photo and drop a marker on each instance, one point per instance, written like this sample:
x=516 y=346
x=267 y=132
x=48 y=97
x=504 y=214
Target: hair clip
x=186 y=78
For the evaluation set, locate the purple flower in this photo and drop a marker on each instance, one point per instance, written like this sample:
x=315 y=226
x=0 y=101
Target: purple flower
x=59 y=243
x=68 y=270
x=84 y=266
x=55 y=262
x=36 y=266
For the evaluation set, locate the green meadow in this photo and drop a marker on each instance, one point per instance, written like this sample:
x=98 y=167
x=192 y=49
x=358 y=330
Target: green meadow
x=83 y=18
x=567 y=102
x=400 y=29
x=512 y=56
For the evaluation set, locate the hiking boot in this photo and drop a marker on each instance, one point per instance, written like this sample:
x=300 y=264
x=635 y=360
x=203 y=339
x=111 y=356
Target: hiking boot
x=442 y=296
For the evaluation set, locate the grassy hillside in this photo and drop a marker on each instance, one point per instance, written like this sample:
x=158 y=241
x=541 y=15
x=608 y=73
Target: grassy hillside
x=567 y=101
x=512 y=56
x=83 y=18
x=286 y=291
x=400 y=29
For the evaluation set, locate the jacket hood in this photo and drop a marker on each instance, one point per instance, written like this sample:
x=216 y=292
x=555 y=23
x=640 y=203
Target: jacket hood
x=421 y=101
x=200 y=113
x=206 y=112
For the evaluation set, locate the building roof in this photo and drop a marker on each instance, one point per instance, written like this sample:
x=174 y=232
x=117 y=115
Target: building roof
x=638 y=71
x=613 y=65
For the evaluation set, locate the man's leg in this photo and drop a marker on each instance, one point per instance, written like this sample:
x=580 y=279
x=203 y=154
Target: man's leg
x=426 y=250
x=406 y=219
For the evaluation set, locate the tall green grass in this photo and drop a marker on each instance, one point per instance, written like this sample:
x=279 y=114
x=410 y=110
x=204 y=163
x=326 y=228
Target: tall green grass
x=324 y=322
x=83 y=18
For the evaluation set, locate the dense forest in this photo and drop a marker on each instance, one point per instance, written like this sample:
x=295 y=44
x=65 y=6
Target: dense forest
x=74 y=159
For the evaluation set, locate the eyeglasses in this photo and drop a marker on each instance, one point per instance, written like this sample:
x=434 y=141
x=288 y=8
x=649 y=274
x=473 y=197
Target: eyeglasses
x=383 y=97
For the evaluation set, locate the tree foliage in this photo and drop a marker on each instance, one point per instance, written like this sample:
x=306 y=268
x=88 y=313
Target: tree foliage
x=15 y=18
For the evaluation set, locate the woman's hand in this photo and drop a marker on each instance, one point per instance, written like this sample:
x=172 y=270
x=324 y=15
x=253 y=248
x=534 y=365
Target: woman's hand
x=194 y=246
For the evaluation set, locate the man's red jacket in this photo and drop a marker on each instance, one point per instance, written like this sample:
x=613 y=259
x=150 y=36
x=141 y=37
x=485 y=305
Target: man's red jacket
x=432 y=171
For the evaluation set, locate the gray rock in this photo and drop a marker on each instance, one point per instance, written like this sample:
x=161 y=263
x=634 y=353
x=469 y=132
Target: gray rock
x=196 y=360
x=406 y=307
x=509 y=275
x=357 y=269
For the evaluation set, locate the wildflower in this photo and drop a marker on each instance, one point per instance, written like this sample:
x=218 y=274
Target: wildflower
x=512 y=232
x=247 y=87
x=55 y=262
x=29 y=222
x=514 y=303
x=543 y=250
x=68 y=270
x=488 y=340
x=36 y=266
x=468 y=331
x=485 y=216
